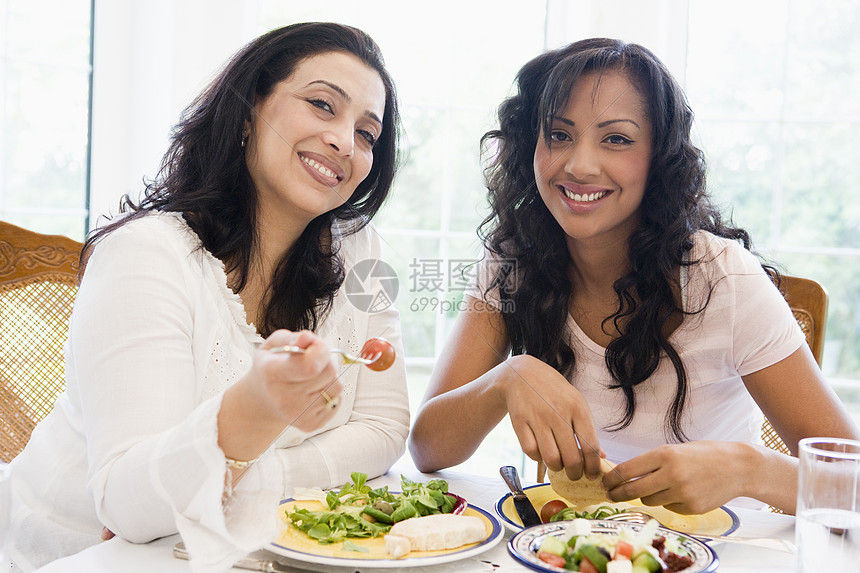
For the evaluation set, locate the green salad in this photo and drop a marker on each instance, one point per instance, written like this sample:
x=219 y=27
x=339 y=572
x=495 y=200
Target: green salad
x=358 y=510
x=601 y=512
x=578 y=548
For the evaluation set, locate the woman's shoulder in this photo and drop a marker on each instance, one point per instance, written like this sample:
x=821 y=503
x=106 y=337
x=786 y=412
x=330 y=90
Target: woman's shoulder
x=167 y=229
x=357 y=245
x=723 y=253
x=158 y=241
x=158 y=222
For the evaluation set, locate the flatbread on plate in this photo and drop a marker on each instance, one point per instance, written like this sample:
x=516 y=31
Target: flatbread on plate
x=587 y=495
x=582 y=492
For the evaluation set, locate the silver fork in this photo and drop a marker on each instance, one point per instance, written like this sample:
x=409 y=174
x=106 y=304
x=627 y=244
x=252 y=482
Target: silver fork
x=346 y=357
x=766 y=542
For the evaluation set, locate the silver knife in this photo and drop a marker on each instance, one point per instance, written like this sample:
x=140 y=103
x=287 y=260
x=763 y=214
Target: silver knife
x=249 y=562
x=522 y=503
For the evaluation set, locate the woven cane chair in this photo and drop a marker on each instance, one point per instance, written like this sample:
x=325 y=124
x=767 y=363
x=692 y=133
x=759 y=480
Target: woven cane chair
x=808 y=302
x=38 y=284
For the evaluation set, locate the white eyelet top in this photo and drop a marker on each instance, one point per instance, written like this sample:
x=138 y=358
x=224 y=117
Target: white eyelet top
x=155 y=338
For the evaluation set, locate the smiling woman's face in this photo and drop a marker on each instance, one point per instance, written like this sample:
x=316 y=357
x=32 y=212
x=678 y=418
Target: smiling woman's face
x=593 y=172
x=311 y=140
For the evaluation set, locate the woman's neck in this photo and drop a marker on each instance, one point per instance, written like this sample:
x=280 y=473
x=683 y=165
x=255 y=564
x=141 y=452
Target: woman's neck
x=593 y=272
x=275 y=238
x=596 y=266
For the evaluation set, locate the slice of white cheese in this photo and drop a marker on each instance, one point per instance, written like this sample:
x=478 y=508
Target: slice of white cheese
x=397 y=546
x=577 y=527
x=435 y=532
x=620 y=566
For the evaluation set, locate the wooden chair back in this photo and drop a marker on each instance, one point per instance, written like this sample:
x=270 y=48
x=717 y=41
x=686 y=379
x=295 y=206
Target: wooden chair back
x=38 y=285
x=808 y=302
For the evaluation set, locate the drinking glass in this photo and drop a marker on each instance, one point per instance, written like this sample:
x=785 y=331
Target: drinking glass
x=828 y=505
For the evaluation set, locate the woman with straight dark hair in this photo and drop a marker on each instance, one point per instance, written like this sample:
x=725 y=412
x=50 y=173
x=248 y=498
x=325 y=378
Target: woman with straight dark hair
x=639 y=324
x=240 y=245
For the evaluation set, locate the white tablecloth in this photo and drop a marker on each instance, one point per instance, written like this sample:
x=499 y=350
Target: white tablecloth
x=118 y=555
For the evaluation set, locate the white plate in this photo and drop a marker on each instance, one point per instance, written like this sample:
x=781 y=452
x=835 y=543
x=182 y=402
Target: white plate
x=524 y=545
x=721 y=521
x=296 y=545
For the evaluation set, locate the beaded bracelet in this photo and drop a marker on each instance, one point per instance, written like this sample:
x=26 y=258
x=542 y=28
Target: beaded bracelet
x=238 y=464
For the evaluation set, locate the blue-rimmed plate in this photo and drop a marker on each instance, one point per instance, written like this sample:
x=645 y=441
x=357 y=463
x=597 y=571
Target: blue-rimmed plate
x=721 y=521
x=524 y=545
x=295 y=544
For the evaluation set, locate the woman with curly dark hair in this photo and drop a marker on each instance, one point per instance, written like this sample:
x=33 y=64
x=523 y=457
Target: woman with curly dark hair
x=241 y=244
x=639 y=325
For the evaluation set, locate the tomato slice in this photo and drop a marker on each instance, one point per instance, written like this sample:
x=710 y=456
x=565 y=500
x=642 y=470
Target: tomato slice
x=623 y=550
x=585 y=566
x=552 y=559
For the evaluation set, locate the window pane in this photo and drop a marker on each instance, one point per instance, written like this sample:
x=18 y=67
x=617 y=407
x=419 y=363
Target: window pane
x=421 y=272
x=45 y=144
x=742 y=171
x=56 y=223
x=44 y=94
x=840 y=276
x=468 y=201
x=49 y=31
x=820 y=206
x=735 y=58
x=416 y=199
x=822 y=76
x=463 y=255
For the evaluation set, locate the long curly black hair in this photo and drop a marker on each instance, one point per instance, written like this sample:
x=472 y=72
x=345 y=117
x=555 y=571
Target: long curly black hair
x=520 y=227
x=204 y=175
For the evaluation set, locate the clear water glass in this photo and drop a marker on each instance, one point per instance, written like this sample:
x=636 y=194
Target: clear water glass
x=827 y=530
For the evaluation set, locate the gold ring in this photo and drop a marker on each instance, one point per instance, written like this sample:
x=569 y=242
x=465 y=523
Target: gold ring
x=331 y=403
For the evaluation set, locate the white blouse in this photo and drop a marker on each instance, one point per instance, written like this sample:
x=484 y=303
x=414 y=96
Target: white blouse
x=156 y=337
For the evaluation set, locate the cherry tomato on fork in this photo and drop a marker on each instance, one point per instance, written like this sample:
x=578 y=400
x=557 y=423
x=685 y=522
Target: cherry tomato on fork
x=386 y=359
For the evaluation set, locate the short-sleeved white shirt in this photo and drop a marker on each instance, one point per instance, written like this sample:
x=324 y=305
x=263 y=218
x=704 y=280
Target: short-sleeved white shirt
x=745 y=327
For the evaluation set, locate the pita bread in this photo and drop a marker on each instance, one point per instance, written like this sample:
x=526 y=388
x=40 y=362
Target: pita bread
x=582 y=492
x=587 y=496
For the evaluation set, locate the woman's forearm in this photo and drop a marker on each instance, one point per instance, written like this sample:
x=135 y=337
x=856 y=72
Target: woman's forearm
x=243 y=433
x=451 y=426
x=771 y=477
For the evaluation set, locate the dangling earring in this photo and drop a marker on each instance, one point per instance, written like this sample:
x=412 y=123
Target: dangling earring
x=244 y=140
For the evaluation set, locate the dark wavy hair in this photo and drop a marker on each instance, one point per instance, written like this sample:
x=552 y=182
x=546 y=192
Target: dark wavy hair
x=521 y=228
x=204 y=176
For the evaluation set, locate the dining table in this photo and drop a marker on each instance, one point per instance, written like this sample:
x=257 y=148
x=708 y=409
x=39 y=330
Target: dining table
x=480 y=490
